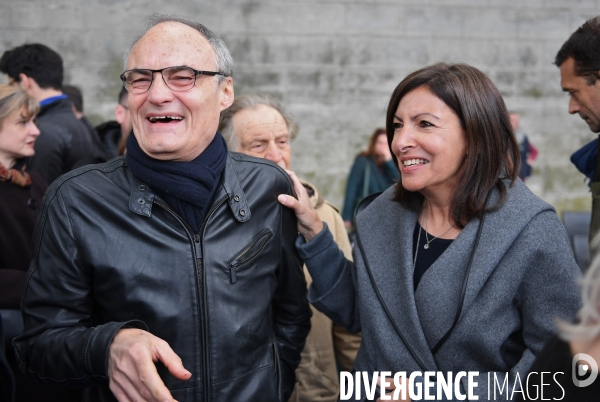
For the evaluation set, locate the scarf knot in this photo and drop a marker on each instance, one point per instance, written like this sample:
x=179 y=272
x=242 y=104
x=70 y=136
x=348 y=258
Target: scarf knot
x=18 y=177
x=188 y=187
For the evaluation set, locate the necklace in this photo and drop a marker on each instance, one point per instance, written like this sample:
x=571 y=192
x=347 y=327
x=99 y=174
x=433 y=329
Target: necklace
x=427 y=241
x=418 y=241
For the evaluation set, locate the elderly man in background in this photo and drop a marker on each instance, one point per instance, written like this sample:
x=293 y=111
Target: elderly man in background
x=579 y=63
x=170 y=273
x=257 y=125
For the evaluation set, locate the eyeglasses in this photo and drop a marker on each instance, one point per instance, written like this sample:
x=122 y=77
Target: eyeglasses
x=179 y=78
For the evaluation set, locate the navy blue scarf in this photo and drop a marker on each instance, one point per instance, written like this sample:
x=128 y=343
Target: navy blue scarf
x=187 y=187
x=584 y=159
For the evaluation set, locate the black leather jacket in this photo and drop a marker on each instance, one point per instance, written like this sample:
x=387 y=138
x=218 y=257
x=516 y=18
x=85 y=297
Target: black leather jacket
x=230 y=300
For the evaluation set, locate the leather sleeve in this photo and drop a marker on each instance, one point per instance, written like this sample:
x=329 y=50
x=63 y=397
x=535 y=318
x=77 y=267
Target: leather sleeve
x=61 y=344
x=290 y=305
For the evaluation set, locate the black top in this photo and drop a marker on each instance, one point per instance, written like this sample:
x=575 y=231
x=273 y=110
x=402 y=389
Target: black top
x=426 y=257
x=556 y=358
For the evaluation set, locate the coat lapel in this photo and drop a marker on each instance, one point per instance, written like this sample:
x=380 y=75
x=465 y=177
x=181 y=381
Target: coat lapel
x=385 y=230
x=438 y=294
x=439 y=291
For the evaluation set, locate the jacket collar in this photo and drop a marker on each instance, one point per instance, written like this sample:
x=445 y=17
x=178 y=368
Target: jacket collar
x=141 y=196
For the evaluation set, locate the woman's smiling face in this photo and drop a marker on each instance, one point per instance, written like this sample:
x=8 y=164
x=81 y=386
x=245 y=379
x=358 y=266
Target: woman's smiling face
x=429 y=143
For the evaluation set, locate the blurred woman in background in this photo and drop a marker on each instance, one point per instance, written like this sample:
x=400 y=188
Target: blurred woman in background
x=373 y=171
x=21 y=193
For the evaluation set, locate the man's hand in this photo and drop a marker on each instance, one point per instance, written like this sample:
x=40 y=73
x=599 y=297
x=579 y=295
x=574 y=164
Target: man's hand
x=131 y=370
x=309 y=223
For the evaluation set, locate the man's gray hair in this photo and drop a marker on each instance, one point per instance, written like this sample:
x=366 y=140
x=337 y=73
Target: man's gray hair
x=223 y=59
x=251 y=101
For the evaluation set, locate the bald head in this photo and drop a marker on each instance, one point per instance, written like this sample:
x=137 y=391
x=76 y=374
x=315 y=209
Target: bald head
x=223 y=59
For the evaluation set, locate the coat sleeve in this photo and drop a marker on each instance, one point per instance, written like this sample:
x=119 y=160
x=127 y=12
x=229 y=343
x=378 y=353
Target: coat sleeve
x=291 y=310
x=61 y=343
x=345 y=344
x=333 y=288
x=547 y=291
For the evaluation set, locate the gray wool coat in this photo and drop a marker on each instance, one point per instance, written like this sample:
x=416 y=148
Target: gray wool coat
x=523 y=277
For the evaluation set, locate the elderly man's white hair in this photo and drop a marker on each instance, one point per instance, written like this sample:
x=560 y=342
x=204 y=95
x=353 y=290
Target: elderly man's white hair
x=251 y=101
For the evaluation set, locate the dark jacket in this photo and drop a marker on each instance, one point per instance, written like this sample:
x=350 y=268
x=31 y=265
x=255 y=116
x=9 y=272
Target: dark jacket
x=230 y=300
x=18 y=211
x=110 y=135
x=53 y=153
x=98 y=149
x=367 y=178
x=60 y=113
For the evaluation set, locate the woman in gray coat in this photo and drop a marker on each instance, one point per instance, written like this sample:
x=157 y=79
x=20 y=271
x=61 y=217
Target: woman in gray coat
x=459 y=267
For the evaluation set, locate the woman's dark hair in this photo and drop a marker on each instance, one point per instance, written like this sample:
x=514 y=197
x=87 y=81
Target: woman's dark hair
x=492 y=149
x=370 y=152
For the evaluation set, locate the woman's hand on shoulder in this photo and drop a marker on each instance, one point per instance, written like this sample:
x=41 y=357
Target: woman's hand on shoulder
x=309 y=223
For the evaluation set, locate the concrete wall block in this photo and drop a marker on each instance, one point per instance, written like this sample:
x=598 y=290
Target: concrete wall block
x=546 y=25
x=288 y=18
x=253 y=17
x=439 y=22
x=398 y=52
x=322 y=18
x=375 y=19
x=573 y=4
x=538 y=84
x=490 y=22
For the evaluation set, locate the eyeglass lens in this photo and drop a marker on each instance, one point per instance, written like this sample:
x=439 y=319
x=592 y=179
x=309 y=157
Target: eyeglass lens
x=176 y=78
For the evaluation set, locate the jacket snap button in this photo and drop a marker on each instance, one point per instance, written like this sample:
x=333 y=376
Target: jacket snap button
x=242 y=212
x=236 y=198
x=141 y=201
x=142 y=187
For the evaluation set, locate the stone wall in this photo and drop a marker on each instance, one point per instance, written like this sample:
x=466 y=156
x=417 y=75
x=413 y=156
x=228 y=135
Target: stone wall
x=334 y=64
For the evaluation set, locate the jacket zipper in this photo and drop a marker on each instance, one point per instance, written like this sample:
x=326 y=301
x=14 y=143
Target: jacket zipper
x=197 y=251
x=239 y=258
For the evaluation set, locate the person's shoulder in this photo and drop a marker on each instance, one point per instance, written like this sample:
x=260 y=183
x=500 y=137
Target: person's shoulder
x=91 y=175
x=247 y=167
x=378 y=206
x=520 y=197
x=49 y=129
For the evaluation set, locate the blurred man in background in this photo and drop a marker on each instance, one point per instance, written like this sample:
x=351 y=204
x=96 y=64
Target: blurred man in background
x=579 y=63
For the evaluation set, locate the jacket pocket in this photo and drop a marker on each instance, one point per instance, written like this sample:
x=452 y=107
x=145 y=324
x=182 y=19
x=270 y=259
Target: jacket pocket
x=240 y=261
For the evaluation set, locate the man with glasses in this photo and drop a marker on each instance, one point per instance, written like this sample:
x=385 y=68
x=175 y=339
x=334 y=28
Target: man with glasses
x=170 y=273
